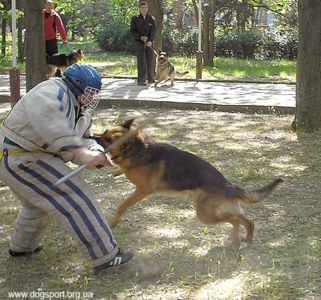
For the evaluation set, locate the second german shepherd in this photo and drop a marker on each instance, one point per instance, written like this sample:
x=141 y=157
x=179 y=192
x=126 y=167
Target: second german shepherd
x=59 y=60
x=165 y=70
x=155 y=167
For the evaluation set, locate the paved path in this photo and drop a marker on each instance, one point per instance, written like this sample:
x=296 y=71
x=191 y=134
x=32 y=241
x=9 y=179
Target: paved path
x=226 y=96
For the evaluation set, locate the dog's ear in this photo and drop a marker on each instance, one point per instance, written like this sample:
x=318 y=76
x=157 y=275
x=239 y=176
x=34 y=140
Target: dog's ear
x=79 y=51
x=127 y=123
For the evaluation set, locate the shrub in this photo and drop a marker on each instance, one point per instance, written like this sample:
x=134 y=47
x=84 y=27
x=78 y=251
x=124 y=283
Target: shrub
x=280 y=44
x=272 y=44
x=115 y=37
x=241 y=45
x=180 y=42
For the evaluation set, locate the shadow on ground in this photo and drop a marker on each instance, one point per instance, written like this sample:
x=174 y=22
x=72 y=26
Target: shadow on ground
x=176 y=257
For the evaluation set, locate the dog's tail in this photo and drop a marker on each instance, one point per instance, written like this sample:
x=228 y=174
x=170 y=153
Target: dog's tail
x=181 y=74
x=259 y=194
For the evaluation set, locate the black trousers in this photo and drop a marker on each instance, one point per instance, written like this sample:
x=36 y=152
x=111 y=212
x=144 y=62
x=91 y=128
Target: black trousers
x=145 y=62
x=51 y=46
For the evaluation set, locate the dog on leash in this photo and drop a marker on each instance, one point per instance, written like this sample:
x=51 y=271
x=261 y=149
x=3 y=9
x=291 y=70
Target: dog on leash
x=155 y=167
x=165 y=70
x=57 y=61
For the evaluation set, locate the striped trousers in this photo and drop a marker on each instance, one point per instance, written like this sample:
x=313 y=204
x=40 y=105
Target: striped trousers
x=31 y=176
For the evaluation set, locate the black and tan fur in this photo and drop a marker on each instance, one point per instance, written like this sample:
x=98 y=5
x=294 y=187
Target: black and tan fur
x=155 y=167
x=165 y=70
x=60 y=61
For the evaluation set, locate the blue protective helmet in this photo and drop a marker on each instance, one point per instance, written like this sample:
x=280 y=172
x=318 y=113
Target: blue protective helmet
x=78 y=77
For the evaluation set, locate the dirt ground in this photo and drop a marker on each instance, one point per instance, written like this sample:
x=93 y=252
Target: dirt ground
x=176 y=257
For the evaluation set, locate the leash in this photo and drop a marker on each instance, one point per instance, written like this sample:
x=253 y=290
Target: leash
x=62 y=44
x=155 y=52
x=115 y=144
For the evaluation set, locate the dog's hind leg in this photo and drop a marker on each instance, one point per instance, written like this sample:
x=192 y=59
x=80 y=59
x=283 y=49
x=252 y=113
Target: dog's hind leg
x=207 y=213
x=237 y=220
x=138 y=195
x=211 y=210
x=249 y=225
x=235 y=235
x=205 y=210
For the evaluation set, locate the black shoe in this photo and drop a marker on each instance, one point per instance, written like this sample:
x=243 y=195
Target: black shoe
x=141 y=83
x=121 y=258
x=25 y=253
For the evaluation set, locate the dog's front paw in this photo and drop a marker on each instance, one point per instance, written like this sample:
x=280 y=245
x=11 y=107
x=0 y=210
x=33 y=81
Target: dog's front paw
x=114 y=221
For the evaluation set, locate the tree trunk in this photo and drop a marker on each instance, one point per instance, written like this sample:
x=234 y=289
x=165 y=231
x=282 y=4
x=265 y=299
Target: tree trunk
x=308 y=89
x=4 y=37
x=20 y=25
x=35 y=44
x=208 y=22
x=205 y=34
x=155 y=8
x=211 y=27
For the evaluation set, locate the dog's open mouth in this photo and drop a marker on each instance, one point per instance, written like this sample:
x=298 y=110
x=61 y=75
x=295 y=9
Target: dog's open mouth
x=161 y=60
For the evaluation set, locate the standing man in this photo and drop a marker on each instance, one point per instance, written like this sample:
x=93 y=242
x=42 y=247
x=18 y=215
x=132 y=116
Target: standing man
x=46 y=128
x=143 y=29
x=52 y=24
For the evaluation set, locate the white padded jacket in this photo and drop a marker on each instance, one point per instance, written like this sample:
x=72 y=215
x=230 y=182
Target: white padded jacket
x=48 y=119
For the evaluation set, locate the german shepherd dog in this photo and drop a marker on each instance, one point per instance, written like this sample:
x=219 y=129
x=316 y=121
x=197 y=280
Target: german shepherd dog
x=57 y=61
x=165 y=70
x=155 y=167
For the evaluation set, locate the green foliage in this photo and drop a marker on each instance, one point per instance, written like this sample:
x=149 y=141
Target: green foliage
x=273 y=44
x=240 y=45
x=281 y=44
x=82 y=18
x=180 y=42
x=115 y=37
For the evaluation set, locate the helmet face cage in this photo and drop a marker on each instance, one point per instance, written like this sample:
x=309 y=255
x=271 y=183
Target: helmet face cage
x=89 y=99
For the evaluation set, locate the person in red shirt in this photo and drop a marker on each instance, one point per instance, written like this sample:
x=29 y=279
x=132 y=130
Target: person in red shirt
x=52 y=24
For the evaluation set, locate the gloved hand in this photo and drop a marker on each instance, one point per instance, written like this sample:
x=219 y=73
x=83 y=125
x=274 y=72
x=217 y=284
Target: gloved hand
x=91 y=158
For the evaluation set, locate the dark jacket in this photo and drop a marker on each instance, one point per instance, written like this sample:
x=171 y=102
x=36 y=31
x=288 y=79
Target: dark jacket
x=140 y=26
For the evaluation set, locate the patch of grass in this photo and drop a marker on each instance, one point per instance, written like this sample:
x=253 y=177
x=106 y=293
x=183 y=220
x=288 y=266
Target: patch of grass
x=123 y=64
x=176 y=257
x=111 y=64
x=232 y=68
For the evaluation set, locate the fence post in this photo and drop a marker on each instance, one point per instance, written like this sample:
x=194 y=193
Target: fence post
x=199 y=64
